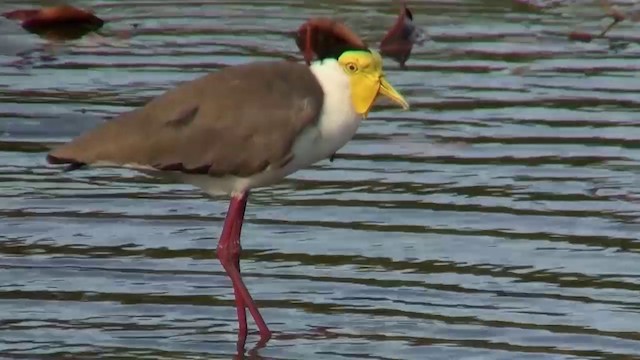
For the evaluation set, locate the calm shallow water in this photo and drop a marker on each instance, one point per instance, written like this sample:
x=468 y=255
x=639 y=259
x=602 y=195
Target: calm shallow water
x=496 y=220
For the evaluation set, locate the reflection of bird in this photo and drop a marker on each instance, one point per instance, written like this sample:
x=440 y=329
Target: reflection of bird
x=240 y=128
x=62 y=22
x=318 y=34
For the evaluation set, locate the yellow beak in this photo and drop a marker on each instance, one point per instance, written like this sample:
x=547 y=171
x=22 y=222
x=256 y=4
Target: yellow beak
x=387 y=90
x=367 y=87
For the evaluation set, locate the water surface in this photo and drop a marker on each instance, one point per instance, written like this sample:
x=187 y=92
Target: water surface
x=496 y=220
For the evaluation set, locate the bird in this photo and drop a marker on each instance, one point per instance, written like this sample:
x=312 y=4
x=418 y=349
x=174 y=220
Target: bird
x=398 y=41
x=60 y=22
x=320 y=33
x=239 y=128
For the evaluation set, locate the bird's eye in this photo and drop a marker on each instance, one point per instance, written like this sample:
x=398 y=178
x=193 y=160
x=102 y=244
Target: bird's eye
x=352 y=67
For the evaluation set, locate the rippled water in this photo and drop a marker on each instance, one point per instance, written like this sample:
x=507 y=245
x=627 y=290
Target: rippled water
x=496 y=220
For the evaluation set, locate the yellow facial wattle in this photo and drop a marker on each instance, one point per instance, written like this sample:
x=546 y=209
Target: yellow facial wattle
x=367 y=80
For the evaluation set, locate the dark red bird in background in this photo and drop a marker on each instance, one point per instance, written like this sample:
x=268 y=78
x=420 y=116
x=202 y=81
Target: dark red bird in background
x=318 y=36
x=62 y=22
x=398 y=42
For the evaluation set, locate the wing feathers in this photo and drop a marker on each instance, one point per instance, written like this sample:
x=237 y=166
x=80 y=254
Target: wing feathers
x=236 y=121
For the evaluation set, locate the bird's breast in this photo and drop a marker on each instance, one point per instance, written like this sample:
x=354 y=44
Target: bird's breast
x=338 y=120
x=336 y=125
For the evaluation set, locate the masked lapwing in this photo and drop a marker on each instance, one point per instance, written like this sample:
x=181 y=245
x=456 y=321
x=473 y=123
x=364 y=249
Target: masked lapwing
x=240 y=128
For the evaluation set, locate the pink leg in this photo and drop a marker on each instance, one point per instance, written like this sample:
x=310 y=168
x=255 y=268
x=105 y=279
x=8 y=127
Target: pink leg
x=229 y=255
x=235 y=230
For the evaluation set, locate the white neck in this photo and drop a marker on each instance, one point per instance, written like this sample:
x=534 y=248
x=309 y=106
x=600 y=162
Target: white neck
x=338 y=113
x=338 y=121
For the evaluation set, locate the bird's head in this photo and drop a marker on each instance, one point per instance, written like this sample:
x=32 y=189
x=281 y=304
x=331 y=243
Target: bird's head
x=323 y=38
x=364 y=68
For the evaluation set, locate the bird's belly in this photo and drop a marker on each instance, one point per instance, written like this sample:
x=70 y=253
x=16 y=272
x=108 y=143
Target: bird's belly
x=318 y=143
x=313 y=145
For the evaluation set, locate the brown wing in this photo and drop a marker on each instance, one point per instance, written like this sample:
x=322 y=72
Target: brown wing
x=236 y=121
